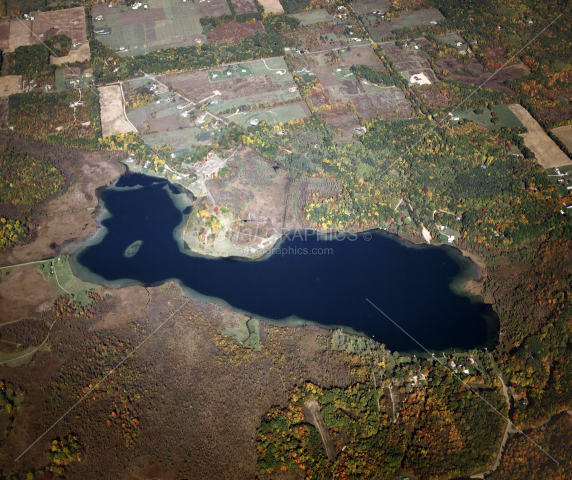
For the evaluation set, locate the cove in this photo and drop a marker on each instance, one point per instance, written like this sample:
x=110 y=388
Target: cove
x=311 y=280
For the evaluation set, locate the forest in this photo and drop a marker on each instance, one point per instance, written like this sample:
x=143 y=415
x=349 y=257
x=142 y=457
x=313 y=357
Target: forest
x=27 y=180
x=386 y=427
x=36 y=115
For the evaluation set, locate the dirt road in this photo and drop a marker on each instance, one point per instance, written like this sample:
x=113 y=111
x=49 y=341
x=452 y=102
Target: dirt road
x=314 y=416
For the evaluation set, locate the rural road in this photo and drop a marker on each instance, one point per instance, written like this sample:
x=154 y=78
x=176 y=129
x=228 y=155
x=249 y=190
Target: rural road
x=509 y=429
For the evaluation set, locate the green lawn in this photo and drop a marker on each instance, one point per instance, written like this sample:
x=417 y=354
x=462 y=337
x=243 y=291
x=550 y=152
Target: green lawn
x=283 y=113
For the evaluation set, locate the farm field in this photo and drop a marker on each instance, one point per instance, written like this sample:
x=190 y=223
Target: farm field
x=547 y=152
x=380 y=29
x=505 y=115
x=165 y=23
x=113 y=120
x=565 y=135
x=69 y=22
x=454 y=66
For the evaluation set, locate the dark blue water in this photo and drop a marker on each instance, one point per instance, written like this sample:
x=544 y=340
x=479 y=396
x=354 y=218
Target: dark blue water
x=411 y=285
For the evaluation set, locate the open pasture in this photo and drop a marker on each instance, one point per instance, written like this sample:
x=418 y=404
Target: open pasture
x=165 y=23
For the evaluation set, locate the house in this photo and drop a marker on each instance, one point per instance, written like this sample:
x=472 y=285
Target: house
x=254 y=122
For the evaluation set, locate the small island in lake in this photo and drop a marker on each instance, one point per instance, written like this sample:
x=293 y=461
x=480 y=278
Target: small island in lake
x=132 y=249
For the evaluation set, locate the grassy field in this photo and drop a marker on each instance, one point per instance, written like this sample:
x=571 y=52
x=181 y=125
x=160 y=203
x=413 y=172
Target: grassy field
x=312 y=17
x=505 y=116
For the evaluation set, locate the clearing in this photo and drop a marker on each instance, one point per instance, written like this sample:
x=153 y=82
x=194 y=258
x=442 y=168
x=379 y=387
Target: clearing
x=69 y=22
x=475 y=74
x=10 y=84
x=547 y=152
x=565 y=135
x=113 y=119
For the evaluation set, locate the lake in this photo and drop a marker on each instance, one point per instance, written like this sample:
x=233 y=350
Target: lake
x=308 y=280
